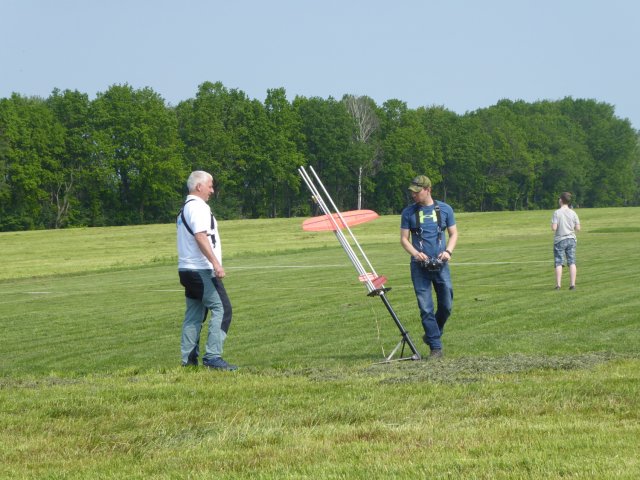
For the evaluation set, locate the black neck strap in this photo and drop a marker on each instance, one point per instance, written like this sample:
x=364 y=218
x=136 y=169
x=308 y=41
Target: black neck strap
x=186 y=225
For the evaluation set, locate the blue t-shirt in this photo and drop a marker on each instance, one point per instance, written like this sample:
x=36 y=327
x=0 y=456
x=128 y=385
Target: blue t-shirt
x=427 y=242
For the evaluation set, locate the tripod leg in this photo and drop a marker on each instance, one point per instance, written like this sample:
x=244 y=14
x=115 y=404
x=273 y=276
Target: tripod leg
x=405 y=335
x=393 y=352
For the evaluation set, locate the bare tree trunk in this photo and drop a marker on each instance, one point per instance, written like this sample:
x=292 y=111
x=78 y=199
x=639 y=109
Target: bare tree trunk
x=360 y=188
x=365 y=117
x=366 y=124
x=61 y=197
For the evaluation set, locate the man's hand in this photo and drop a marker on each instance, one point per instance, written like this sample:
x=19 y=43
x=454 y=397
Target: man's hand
x=421 y=257
x=444 y=256
x=219 y=271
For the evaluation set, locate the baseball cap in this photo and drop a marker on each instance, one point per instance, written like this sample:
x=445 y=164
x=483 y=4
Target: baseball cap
x=420 y=182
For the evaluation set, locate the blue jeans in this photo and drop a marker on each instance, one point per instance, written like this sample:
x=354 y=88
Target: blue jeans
x=203 y=293
x=433 y=321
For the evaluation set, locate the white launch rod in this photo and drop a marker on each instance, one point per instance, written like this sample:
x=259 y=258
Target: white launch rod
x=337 y=228
x=364 y=255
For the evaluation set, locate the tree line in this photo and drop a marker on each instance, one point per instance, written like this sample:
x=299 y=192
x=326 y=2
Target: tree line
x=123 y=157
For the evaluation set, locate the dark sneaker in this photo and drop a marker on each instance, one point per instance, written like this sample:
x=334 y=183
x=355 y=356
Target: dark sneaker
x=557 y=287
x=572 y=287
x=192 y=359
x=192 y=362
x=219 y=364
x=436 y=353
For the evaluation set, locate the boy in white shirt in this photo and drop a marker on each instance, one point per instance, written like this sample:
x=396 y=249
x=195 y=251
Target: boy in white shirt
x=565 y=223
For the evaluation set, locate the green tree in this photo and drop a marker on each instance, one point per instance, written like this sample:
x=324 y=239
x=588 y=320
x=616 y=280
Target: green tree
x=464 y=179
x=71 y=180
x=612 y=145
x=328 y=131
x=136 y=138
x=32 y=143
x=440 y=125
x=563 y=159
x=223 y=132
x=123 y=158
x=407 y=151
x=282 y=154
x=508 y=167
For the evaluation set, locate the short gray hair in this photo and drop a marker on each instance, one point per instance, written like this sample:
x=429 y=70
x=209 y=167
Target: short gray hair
x=196 y=178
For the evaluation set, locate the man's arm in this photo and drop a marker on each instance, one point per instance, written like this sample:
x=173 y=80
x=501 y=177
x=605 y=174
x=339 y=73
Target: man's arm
x=451 y=243
x=202 y=239
x=405 y=241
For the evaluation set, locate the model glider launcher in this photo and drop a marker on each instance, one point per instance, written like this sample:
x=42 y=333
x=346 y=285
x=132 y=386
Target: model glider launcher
x=339 y=223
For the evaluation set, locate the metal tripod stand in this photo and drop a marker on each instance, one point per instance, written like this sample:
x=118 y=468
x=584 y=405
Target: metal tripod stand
x=374 y=283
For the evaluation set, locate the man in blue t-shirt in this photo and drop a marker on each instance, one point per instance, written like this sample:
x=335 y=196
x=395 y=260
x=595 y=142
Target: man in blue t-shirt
x=422 y=235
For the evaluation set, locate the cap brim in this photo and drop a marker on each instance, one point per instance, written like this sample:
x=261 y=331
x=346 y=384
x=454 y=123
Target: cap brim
x=415 y=188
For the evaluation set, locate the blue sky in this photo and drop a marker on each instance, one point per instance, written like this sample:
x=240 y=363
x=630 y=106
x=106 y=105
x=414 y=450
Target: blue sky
x=461 y=54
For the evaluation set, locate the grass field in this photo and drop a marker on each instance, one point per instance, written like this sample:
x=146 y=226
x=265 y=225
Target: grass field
x=536 y=383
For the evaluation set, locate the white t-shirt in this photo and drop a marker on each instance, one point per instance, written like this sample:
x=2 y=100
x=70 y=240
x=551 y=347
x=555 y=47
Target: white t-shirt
x=198 y=216
x=566 y=219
